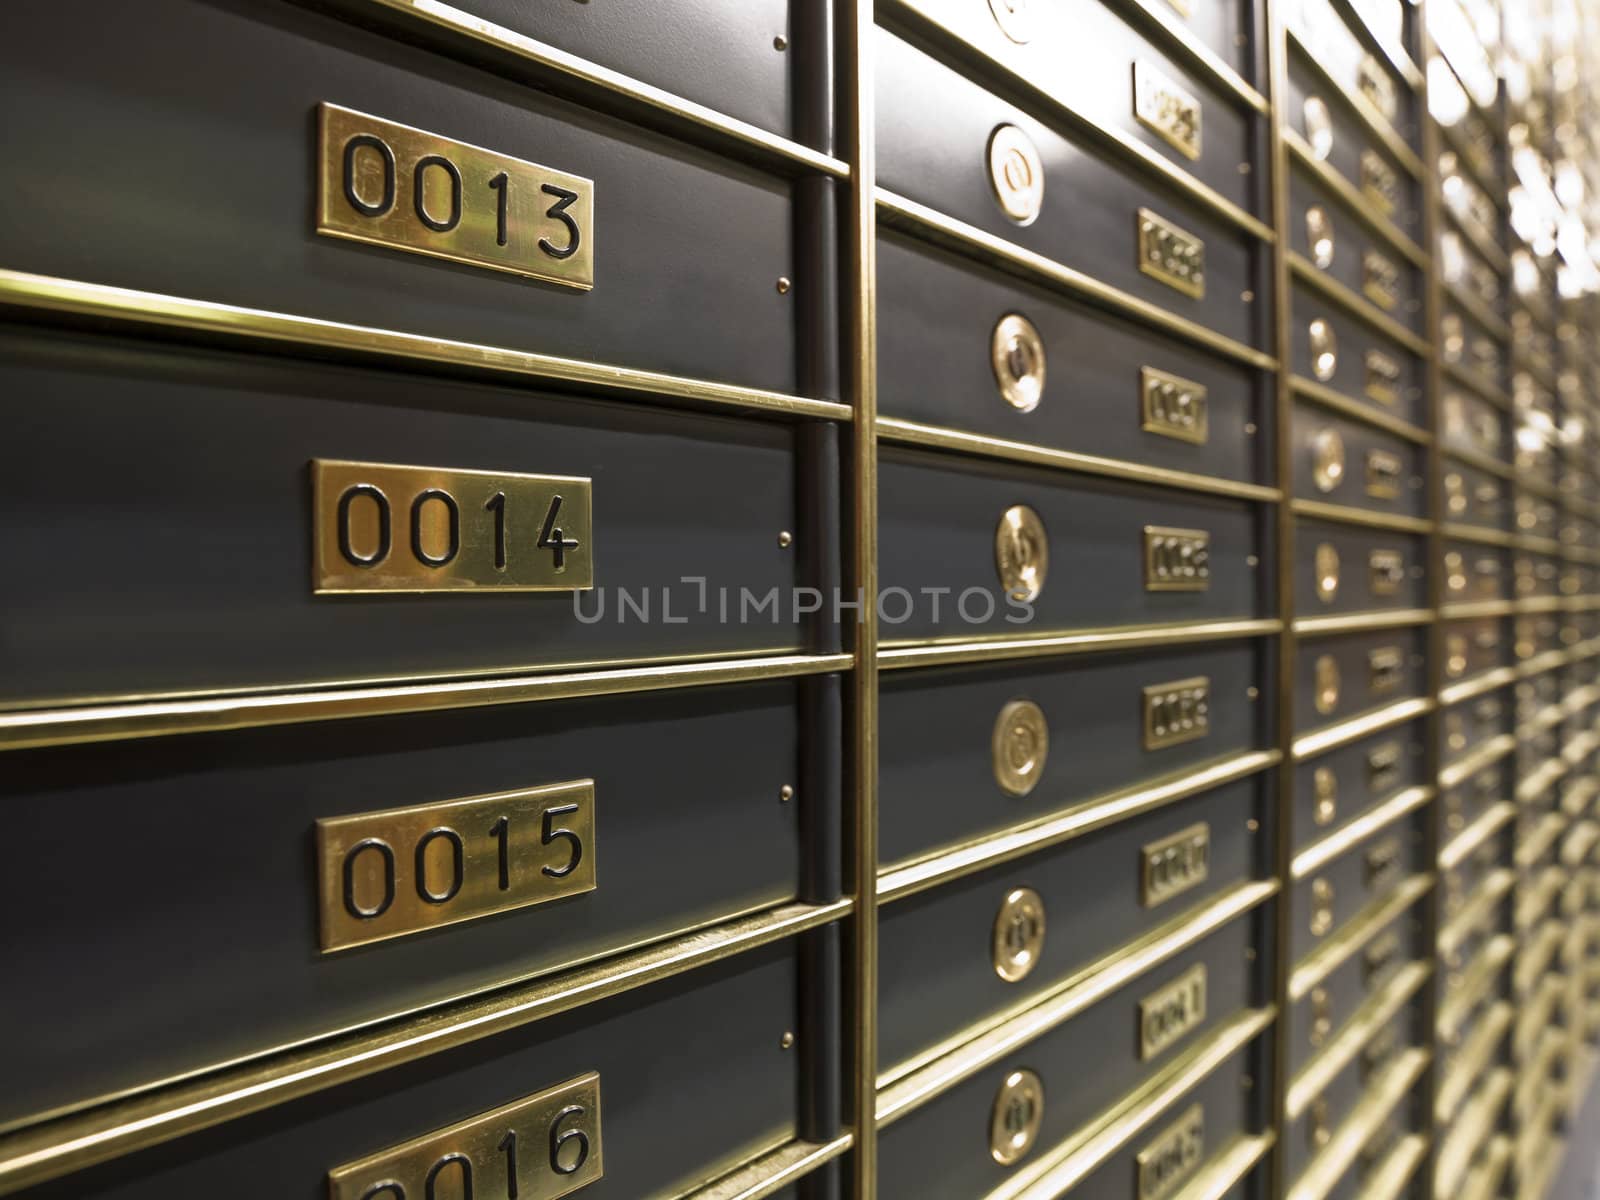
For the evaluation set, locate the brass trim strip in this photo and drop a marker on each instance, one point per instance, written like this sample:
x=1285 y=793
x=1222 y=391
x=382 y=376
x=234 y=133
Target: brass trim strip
x=1491 y=822
x=1541 y=545
x=1325 y=1171
x=1477 y=533
x=1344 y=514
x=1375 y=41
x=1118 y=143
x=148 y=1118
x=893 y=656
x=1477 y=685
x=1459 y=1146
x=1484 y=1181
x=1356 y=933
x=1353 y=200
x=1327 y=397
x=1477 y=608
x=1320 y=741
x=1474 y=913
x=99 y=302
x=1393 y=1175
x=1083 y=1153
x=771 y=1172
x=1482 y=239
x=985 y=247
x=1483 y=462
x=1534 y=845
x=1376 y=1011
x=1461 y=377
x=486 y=43
x=1391 y=618
x=1538 y=604
x=909 y=1085
x=1464 y=153
x=990 y=849
x=1478 y=978
x=1533 y=904
x=1550 y=660
x=1364 y=109
x=1196 y=55
x=1479 y=312
x=1319 y=854
x=155 y=716
x=914 y=433
x=1355 y=305
x=1224 y=1172
x=1471 y=1061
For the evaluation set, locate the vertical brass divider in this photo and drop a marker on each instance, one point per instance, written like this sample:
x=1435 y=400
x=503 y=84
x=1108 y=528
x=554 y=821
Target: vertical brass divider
x=860 y=376
x=1424 y=1106
x=1283 y=575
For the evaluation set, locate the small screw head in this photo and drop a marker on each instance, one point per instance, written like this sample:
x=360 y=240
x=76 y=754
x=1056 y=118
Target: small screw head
x=785 y=793
x=1252 y=825
x=780 y=42
x=1247 y=296
x=785 y=539
x=1250 y=428
x=1252 y=692
x=786 y=1040
x=784 y=285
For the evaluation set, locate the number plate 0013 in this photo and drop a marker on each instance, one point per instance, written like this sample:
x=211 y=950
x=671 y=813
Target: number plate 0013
x=386 y=874
x=382 y=528
x=395 y=186
x=537 y=1148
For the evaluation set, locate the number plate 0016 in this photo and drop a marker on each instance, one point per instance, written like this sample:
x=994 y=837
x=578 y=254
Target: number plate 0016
x=386 y=874
x=406 y=189
x=537 y=1148
x=386 y=528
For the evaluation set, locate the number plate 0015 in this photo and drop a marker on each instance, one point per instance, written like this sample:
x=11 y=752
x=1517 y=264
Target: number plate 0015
x=386 y=874
x=406 y=189
x=537 y=1148
x=382 y=528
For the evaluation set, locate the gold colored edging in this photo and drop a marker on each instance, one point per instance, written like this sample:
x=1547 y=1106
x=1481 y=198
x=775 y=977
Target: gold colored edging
x=1393 y=1174
x=1356 y=933
x=1476 y=981
x=909 y=1085
x=1364 y=110
x=1324 y=1171
x=913 y=433
x=1489 y=894
x=1491 y=822
x=1320 y=741
x=255 y=327
x=150 y=1117
x=1375 y=1012
x=1230 y=1165
x=770 y=1173
x=158 y=717
x=894 y=655
x=1356 y=306
x=1353 y=200
x=1477 y=685
x=1394 y=618
x=1345 y=514
x=1317 y=855
x=993 y=848
x=1327 y=397
x=1472 y=1061
x=1457 y=1148
x=1198 y=57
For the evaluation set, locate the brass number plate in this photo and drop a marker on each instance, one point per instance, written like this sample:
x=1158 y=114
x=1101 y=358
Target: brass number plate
x=1388 y=569
x=1379 y=182
x=386 y=874
x=1383 y=862
x=1385 y=667
x=1175 y=864
x=1380 y=280
x=537 y=1148
x=395 y=186
x=1172 y=406
x=1167 y=253
x=1166 y=108
x=1379 y=955
x=1382 y=377
x=1176 y=560
x=380 y=528
x=1383 y=475
x=1377 y=87
x=1166 y=1162
x=1176 y=712
x=1166 y=1015
x=1383 y=768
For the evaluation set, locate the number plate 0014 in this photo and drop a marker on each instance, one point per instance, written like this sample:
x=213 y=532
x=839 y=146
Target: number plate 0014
x=382 y=528
x=537 y=1148
x=395 y=186
x=386 y=874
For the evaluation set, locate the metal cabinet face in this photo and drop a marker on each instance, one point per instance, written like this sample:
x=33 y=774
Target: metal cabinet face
x=1474 y=572
x=956 y=349
x=1092 y=61
x=665 y=1056
x=950 y=770
x=1471 y=723
x=190 y=480
x=938 y=974
x=1341 y=676
x=1473 y=647
x=1331 y=347
x=1346 y=569
x=1325 y=901
x=1469 y=423
x=1340 y=461
x=1476 y=497
x=199 y=899
x=207 y=111
x=1467 y=343
x=934 y=137
x=940 y=526
x=1467 y=801
x=1333 y=788
x=1332 y=237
